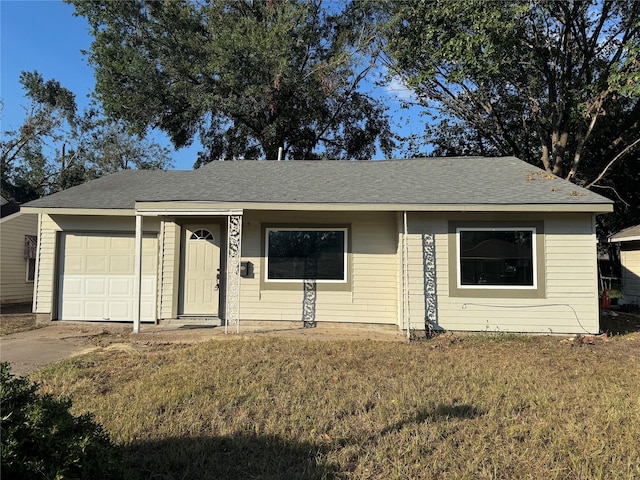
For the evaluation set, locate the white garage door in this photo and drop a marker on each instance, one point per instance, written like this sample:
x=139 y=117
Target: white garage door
x=97 y=277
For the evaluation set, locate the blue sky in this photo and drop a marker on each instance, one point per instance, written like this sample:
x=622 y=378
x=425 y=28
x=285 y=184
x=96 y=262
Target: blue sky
x=44 y=35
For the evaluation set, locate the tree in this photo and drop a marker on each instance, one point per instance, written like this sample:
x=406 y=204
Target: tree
x=246 y=76
x=55 y=148
x=556 y=83
x=40 y=438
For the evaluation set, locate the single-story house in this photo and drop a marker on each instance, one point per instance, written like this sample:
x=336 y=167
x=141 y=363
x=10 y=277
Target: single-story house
x=629 y=241
x=466 y=243
x=17 y=253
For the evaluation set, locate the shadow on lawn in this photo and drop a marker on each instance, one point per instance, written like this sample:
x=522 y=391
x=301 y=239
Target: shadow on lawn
x=441 y=413
x=237 y=456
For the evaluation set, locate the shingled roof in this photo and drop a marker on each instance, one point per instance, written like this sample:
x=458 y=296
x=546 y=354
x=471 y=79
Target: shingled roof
x=627 y=235
x=419 y=182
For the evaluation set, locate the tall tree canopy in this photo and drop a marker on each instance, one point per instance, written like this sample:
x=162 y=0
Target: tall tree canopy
x=247 y=76
x=56 y=148
x=556 y=83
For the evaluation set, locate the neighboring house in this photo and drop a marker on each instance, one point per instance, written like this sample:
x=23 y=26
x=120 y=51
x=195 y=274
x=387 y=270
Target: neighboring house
x=629 y=241
x=17 y=253
x=445 y=243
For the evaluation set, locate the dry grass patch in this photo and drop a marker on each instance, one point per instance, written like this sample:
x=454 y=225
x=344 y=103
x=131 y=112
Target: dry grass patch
x=456 y=407
x=11 y=323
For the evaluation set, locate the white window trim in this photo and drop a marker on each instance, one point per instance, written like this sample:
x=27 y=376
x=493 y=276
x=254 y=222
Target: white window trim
x=534 y=258
x=305 y=229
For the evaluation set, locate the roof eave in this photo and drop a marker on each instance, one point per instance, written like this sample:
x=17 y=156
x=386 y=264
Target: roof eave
x=80 y=211
x=188 y=207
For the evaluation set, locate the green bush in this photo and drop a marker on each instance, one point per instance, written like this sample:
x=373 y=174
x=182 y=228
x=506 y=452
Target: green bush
x=41 y=439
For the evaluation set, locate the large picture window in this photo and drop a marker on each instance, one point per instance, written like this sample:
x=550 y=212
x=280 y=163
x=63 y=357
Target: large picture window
x=496 y=258
x=297 y=254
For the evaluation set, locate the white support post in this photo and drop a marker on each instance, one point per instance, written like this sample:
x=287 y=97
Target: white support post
x=138 y=275
x=406 y=299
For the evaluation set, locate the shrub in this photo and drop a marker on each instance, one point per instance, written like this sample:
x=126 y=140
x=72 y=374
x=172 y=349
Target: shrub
x=40 y=438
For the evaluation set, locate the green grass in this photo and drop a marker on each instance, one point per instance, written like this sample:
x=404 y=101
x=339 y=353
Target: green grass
x=468 y=407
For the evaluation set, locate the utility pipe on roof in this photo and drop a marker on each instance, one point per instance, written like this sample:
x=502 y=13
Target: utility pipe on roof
x=280 y=150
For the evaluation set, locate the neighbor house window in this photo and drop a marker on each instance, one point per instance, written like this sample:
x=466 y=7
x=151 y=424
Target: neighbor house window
x=496 y=258
x=30 y=250
x=298 y=254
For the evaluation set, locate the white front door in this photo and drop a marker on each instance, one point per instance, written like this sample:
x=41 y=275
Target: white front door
x=200 y=270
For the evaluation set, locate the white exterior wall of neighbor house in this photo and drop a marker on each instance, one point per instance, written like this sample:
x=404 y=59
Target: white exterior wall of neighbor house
x=50 y=226
x=630 y=260
x=373 y=265
x=570 y=304
x=14 y=287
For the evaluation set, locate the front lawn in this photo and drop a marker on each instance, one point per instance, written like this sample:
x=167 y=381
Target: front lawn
x=463 y=407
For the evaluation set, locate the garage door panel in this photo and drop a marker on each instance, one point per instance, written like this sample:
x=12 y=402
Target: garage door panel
x=97 y=280
x=95 y=286
x=75 y=242
x=122 y=310
x=121 y=286
x=122 y=243
x=93 y=309
x=74 y=264
x=121 y=264
x=73 y=309
x=97 y=242
x=95 y=264
x=148 y=287
x=73 y=286
x=147 y=309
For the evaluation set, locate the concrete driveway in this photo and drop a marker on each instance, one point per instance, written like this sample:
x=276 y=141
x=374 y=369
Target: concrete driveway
x=27 y=351
x=30 y=350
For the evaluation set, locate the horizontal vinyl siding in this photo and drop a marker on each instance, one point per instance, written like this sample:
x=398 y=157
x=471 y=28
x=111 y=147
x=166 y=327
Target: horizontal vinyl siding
x=570 y=303
x=169 y=266
x=373 y=267
x=14 y=287
x=45 y=281
x=631 y=274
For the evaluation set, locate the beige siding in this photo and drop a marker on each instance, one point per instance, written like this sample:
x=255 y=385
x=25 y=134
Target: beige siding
x=50 y=225
x=374 y=271
x=44 y=291
x=169 y=269
x=630 y=259
x=14 y=287
x=570 y=303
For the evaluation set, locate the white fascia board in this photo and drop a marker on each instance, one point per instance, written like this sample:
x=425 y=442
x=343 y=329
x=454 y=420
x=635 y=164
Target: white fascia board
x=184 y=209
x=546 y=208
x=625 y=239
x=79 y=211
x=12 y=216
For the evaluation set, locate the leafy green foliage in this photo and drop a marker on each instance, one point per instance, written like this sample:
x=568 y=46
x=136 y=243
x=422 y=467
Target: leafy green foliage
x=56 y=148
x=556 y=83
x=42 y=439
x=247 y=77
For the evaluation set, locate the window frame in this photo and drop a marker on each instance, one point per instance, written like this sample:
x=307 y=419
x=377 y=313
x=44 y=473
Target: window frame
x=537 y=290
x=298 y=284
x=534 y=260
x=345 y=251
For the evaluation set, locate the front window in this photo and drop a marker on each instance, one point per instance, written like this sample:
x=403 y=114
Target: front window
x=318 y=254
x=496 y=258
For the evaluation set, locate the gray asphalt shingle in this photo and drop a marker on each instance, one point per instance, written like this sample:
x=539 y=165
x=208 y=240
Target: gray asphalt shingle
x=425 y=181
